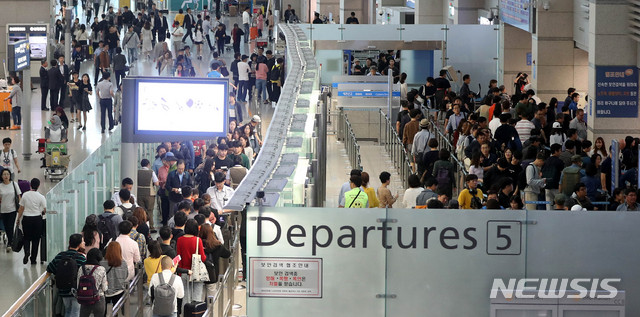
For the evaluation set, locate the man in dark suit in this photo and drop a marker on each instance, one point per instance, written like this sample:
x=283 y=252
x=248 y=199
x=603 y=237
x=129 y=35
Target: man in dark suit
x=175 y=181
x=56 y=81
x=161 y=25
x=188 y=24
x=44 y=85
x=64 y=72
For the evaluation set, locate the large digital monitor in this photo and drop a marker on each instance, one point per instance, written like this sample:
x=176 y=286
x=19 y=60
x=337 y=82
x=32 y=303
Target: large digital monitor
x=157 y=109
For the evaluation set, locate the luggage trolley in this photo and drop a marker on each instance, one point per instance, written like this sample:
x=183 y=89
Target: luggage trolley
x=56 y=160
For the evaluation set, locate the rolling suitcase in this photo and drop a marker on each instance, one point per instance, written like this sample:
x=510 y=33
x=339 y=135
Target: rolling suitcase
x=194 y=308
x=253 y=33
x=5 y=116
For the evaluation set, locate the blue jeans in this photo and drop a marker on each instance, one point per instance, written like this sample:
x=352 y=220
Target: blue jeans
x=133 y=55
x=16 y=113
x=106 y=109
x=261 y=85
x=246 y=32
x=243 y=87
x=71 y=307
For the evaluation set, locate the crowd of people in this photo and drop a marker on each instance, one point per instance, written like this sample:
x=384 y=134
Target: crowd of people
x=507 y=151
x=192 y=181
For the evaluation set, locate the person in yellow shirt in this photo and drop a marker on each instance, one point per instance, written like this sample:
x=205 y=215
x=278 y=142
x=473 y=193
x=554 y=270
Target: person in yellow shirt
x=371 y=193
x=180 y=17
x=356 y=197
x=152 y=263
x=471 y=197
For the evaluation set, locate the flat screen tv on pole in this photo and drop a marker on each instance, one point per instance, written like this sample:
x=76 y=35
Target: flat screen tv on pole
x=157 y=109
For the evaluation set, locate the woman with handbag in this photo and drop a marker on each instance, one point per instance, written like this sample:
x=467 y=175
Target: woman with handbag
x=9 y=202
x=33 y=206
x=191 y=250
x=84 y=105
x=214 y=250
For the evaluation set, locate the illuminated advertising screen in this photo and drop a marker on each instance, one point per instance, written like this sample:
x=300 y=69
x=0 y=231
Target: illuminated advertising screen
x=35 y=34
x=176 y=108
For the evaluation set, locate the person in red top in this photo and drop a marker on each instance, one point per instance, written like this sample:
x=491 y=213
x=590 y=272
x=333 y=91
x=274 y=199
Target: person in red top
x=186 y=247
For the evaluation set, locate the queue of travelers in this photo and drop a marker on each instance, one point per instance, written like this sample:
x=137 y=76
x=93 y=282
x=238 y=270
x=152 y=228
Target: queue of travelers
x=504 y=151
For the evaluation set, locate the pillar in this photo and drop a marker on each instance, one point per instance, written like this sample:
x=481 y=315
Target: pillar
x=610 y=45
x=552 y=51
x=430 y=12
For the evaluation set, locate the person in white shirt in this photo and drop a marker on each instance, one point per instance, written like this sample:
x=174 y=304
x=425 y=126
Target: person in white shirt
x=33 y=206
x=219 y=193
x=130 y=251
x=243 y=78
x=127 y=183
x=169 y=278
x=246 y=21
x=211 y=219
x=126 y=206
x=206 y=27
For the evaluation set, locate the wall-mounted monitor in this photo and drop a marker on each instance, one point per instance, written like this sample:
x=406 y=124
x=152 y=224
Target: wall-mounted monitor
x=159 y=109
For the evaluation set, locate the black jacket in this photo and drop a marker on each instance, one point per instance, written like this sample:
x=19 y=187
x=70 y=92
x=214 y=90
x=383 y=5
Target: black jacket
x=187 y=22
x=56 y=80
x=44 y=77
x=173 y=181
x=213 y=255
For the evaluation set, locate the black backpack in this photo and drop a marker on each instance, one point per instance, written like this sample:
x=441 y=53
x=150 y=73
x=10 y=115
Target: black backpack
x=522 y=179
x=274 y=75
x=66 y=273
x=107 y=229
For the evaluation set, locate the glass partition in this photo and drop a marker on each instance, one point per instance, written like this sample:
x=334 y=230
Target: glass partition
x=440 y=262
x=81 y=193
x=342 y=251
x=422 y=32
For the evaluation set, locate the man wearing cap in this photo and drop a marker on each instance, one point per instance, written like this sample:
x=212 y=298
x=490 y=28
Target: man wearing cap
x=220 y=193
x=419 y=145
x=571 y=175
x=255 y=120
x=559 y=202
x=243 y=77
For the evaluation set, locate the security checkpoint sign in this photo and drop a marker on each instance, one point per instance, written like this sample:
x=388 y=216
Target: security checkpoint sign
x=616 y=92
x=285 y=277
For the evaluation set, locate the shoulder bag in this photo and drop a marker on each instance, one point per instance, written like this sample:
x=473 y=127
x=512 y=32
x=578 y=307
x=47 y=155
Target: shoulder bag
x=199 y=271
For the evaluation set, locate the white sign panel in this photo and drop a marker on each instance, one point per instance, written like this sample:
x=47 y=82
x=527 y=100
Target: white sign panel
x=285 y=277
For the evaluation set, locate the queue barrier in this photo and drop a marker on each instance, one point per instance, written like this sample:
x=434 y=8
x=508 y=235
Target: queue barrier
x=388 y=137
x=350 y=142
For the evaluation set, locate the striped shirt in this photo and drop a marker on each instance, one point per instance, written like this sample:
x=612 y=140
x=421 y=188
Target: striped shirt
x=53 y=265
x=524 y=128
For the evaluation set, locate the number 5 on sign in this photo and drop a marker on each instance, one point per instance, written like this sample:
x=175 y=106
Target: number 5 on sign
x=504 y=237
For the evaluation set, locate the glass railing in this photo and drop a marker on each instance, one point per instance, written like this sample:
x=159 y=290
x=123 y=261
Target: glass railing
x=38 y=300
x=82 y=193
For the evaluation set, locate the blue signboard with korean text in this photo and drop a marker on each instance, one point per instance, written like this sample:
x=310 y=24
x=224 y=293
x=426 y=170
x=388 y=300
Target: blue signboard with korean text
x=18 y=56
x=616 y=92
x=516 y=13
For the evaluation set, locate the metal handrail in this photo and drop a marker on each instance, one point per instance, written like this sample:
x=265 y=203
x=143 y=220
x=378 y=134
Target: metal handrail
x=134 y=286
x=351 y=143
x=38 y=286
x=393 y=145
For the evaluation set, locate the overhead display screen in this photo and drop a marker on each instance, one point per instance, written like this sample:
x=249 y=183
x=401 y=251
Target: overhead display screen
x=175 y=108
x=516 y=13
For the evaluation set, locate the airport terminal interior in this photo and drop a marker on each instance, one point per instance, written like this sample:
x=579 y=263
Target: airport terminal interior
x=322 y=157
